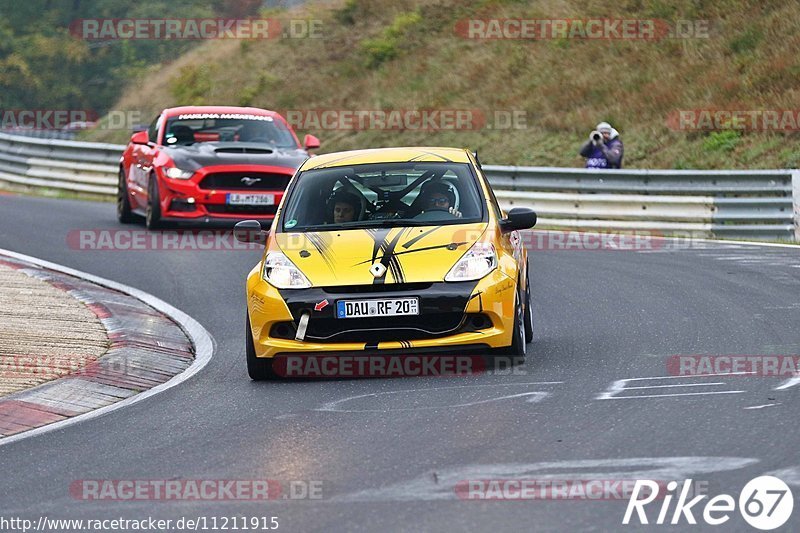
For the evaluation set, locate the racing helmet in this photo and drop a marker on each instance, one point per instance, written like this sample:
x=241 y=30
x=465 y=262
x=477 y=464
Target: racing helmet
x=440 y=187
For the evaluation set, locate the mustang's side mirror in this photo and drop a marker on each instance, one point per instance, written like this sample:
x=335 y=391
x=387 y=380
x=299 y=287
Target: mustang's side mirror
x=249 y=231
x=518 y=218
x=310 y=142
x=140 y=137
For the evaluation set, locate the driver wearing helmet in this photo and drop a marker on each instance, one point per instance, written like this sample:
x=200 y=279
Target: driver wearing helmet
x=439 y=196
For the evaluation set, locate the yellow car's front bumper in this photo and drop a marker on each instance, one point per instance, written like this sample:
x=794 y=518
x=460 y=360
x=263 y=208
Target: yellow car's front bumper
x=468 y=314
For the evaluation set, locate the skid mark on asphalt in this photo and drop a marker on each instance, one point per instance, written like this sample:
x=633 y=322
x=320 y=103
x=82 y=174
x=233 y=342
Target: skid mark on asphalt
x=426 y=399
x=445 y=484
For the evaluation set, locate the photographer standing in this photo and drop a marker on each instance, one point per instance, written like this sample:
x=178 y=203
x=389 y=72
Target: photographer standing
x=604 y=148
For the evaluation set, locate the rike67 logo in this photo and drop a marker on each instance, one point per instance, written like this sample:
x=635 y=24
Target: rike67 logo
x=765 y=503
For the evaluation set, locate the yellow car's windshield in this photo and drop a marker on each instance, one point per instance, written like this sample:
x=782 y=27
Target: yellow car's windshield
x=380 y=195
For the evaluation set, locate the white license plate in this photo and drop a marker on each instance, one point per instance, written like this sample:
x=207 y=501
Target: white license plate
x=370 y=308
x=251 y=199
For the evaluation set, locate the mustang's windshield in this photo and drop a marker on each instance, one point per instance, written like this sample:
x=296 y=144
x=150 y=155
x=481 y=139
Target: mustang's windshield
x=183 y=130
x=381 y=195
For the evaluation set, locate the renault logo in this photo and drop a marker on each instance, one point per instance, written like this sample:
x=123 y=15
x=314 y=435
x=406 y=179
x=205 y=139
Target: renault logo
x=378 y=270
x=250 y=181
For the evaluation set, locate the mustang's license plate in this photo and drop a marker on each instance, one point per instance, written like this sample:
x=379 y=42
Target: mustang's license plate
x=368 y=308
x=251 y=199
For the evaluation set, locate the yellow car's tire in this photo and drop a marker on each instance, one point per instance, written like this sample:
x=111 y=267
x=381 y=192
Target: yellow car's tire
x=528 y=311
x=258 y=369
x=517 y=347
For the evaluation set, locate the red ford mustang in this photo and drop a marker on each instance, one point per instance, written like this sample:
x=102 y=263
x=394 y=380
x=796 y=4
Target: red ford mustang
x=199 y=164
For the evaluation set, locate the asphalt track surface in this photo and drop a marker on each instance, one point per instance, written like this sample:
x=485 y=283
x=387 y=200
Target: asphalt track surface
x=390 y=451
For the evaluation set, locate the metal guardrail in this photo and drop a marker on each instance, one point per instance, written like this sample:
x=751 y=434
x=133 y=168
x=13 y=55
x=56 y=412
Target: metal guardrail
x=42 y=134
x=757 y=204
x=59 y=164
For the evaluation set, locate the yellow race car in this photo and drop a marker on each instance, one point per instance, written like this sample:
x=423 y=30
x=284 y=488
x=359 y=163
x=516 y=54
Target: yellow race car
x=388 y=251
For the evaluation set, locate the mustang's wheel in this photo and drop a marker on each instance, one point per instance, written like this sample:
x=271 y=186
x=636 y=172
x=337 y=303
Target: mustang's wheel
x=528 y=310
x=153 y=212
x=124 y=214
x=258 y=369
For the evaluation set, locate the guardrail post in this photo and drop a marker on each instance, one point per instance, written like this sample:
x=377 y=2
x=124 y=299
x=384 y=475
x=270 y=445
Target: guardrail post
x=796 y=203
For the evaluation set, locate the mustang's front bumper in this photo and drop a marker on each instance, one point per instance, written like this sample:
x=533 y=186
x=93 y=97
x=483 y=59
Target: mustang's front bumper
x=205 y=195
x=477 y=314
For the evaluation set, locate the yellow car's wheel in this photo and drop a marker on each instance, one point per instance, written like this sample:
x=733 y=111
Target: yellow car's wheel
x=258 y=369
x=528 y=310
x=517 y=347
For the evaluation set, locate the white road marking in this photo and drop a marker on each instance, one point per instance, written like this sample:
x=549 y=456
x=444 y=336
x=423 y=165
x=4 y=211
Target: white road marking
x=790 y=476
x=677 y=385
x=200 y=337
x=426 y=487
x=533 y=397
x=620 y=386
x=791 y=382
x=674 y=395
x=763 y=406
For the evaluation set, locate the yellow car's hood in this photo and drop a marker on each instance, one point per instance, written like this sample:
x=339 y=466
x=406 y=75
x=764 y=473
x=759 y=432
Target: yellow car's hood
x=410 y=254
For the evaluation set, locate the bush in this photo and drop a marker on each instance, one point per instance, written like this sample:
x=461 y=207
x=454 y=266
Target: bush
x=386 y=47
x=745 y=42
x=721 y=141
x=192 y=85
x=347 y=15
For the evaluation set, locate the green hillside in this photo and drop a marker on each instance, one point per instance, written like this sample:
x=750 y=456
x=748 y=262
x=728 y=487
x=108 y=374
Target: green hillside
x=405 y=55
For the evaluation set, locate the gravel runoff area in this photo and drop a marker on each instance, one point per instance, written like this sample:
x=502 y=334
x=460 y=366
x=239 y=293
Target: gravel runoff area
x=45 y=333
x=72 y=345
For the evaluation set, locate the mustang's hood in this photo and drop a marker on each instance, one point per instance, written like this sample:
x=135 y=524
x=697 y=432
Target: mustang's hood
x=206 y=154
x=410 y=254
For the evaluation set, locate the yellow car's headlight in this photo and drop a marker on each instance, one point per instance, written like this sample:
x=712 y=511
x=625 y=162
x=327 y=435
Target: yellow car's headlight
x=475 y=264
x=280 y=272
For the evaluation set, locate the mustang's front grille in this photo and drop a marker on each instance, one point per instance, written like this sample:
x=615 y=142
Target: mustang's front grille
x=238 y=181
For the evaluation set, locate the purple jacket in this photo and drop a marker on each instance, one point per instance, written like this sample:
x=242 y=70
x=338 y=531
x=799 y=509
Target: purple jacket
x=607 y=155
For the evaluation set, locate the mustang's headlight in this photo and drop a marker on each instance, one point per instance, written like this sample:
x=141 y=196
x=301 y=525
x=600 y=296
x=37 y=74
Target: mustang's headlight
x=281 y=272
x=178 y=173
x=475 y=264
